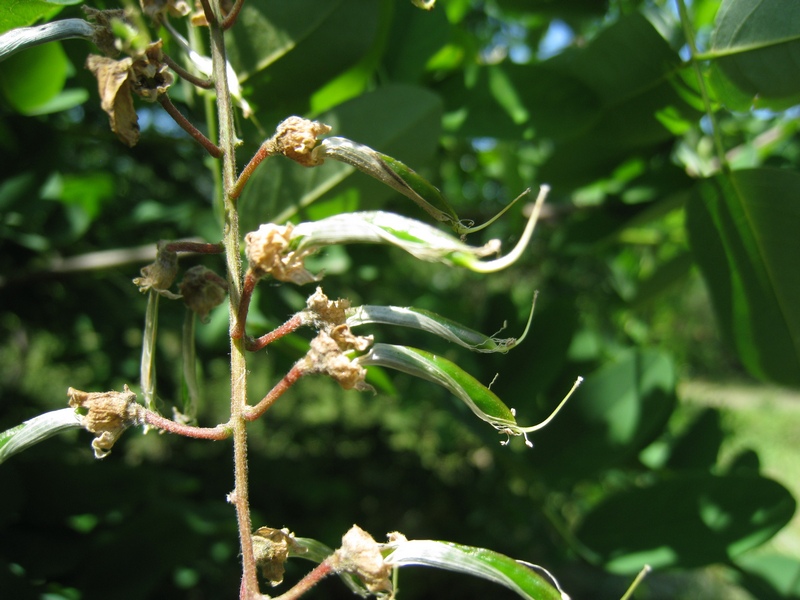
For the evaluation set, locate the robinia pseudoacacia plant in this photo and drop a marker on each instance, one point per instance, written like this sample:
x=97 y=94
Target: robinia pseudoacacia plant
x=131 y=66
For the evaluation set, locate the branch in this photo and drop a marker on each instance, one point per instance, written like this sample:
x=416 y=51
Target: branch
x=193 y=131
x=220 y=432
x=251 y=413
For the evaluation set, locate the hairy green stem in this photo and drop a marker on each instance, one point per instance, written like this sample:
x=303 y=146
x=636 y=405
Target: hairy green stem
x=227 y=142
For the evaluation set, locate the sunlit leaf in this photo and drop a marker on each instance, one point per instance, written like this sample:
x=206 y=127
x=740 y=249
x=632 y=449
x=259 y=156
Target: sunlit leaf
x=743 y=233
x=757 y=46
x=22 y=13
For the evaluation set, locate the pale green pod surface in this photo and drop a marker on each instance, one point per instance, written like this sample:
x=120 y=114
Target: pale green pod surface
x=418 y=239
x=480 y=399
x=528 y=581
x=424 y=193
x=425 y=320
x=36 y=430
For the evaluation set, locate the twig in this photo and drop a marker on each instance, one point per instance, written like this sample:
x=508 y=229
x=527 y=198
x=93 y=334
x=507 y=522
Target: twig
x=230 y=18
x=263 y=152
x=312 y=578
x=256 y=344
x=220 y=432
x=206 y=84
x=193 y=131
x=251 y=413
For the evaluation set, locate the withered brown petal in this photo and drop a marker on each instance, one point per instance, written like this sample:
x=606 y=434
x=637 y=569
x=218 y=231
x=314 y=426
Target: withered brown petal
x=113 y=84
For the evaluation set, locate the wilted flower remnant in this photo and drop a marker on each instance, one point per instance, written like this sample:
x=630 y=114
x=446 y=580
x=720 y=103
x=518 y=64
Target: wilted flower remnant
x=361 y=555
x=203 y=290
x=145 y=74
x=159 y=275
x=269 y=252
x=107 y=414
x=296 y=137
x=271 y=548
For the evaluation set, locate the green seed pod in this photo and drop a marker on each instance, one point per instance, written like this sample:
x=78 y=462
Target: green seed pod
x=480 y=399
x=486 y=405
x=425 y=320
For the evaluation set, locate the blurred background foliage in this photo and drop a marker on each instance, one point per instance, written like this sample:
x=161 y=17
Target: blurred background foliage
x=666 y=262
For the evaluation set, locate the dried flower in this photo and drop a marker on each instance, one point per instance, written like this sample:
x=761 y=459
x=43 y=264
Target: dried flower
x=360 y=554
x=144 y=74
x=327 y=357
x=202 y=290
x=296 y=137
x=271 y=549
x=159 y=275
x=268 y=252
x=107 y=414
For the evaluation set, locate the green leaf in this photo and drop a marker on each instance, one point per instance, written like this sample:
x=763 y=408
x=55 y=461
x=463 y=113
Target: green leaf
x=529 y=581
x=296 y=47
x=35 y=430
x=769 y=576
x=757 y=45
x=698 y=447
x=400 y=120
x=419 y=363
x=634 y=76
x=33 y=78
x=21 y=13
x=687 y=521
x=621 y=407
x=743 y=233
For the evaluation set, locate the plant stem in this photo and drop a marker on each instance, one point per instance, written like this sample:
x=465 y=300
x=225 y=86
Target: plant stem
x=263 y=152
x=253 y=345
x=147 y=370
x=220 y=432
x=251 y=413
x=231 y=17
x=193 y=131
x=195 y=247
x=184 y=74
x=227 y=140
x=250 y=280
x=311 y=579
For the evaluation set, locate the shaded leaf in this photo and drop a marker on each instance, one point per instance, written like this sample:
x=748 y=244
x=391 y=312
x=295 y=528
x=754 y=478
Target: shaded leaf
x=687 y=521
x=33 y=78
x=284 y=51
x=618 y=410
x=758 y=49
x=698 y=446
x=743 y=233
